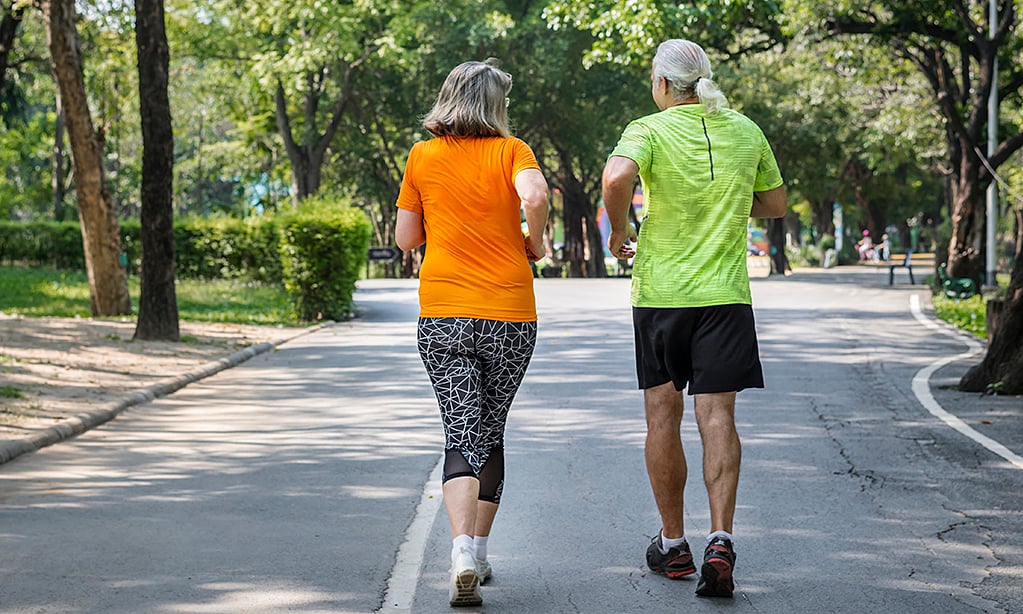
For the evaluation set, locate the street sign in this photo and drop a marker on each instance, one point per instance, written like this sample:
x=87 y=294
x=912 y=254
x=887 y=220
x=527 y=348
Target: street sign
x=384 y=253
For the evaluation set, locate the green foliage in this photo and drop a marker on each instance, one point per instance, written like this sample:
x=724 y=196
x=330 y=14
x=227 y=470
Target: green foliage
x=222 y=247
x=323 y=247
x=628 y=31
x=205 y=248
x=969 y=314
x=25 y=165
x=57 y=244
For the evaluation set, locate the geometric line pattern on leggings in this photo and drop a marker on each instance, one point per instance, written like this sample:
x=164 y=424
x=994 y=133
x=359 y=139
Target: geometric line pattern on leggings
x=476 y=367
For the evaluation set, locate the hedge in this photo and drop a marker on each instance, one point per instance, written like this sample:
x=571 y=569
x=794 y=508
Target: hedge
x=317 y=251
x=204 y=248
x=322 y=248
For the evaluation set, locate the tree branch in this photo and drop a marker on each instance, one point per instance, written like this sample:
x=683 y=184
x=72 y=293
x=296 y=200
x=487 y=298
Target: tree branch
x=342 y=102
x=283 y=122
x=1005 y=150
x=964 y=15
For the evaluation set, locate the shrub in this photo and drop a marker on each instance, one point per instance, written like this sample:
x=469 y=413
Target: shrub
x=58 y=244
x=322 y=249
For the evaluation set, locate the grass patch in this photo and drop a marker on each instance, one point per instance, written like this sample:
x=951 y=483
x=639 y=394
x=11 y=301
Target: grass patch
x=10 y=392
x=969 y=314
x=222 y=300
x=38 y=292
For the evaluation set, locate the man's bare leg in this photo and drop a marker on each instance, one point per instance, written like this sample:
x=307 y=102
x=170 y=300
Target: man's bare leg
x=722 y=455
x=665 y=458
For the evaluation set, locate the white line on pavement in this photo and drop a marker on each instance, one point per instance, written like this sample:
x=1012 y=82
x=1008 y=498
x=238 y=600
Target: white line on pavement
x=401 y=584
x=922 y=388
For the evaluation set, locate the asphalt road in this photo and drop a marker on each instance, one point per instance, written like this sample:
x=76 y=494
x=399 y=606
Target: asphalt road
x=291 y=483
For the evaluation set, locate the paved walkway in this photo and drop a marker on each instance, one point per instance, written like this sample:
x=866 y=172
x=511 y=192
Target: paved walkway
x=301 y=479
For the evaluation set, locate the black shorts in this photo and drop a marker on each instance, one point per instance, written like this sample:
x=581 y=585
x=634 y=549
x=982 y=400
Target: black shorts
x=712 y=349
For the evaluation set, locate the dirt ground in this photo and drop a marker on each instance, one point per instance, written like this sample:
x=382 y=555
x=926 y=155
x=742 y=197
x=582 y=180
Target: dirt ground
x=53 y=368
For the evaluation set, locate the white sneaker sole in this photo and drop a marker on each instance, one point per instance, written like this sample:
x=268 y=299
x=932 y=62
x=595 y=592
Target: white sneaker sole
x=465 y=589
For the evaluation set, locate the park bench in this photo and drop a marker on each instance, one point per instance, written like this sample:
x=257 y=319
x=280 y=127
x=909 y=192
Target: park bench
x=907 y=263
x=956 y=287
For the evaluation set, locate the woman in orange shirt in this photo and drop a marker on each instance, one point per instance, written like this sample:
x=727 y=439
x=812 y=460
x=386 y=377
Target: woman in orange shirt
x=462 y=194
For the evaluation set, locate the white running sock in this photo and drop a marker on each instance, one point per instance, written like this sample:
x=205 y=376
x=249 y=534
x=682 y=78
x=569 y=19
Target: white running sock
x=459 y=543
x=721 y=534
x=480 y=543
x=668 y=544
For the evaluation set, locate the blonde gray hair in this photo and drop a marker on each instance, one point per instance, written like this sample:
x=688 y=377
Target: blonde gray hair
x=472 y=102
x=687 y=69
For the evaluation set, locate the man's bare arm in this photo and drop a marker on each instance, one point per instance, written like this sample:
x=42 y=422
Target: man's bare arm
x=772 y=203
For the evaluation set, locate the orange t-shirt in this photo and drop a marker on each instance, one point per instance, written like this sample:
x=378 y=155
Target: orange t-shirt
x=475 y=264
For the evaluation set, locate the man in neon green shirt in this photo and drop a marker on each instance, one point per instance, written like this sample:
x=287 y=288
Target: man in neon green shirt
x=705 y=170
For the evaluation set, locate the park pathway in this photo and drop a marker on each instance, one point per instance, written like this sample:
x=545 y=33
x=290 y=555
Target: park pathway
x=288 y=484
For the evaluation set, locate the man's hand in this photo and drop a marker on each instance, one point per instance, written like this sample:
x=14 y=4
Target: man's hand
x=618 y=181
x=618 y=242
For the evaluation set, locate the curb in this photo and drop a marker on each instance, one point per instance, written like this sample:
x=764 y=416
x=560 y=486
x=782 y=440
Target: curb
x=75 y=425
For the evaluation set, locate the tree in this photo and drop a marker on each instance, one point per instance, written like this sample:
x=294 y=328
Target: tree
x=625 y=34
x=310 y=53
x=958 y=50
x=575 y=115
x=108 y=280
x=1001 y=371
x=848 y=124
x=948 y=41
x=158 y=305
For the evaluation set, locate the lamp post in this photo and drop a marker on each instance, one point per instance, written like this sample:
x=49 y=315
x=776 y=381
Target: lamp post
x=992 y=144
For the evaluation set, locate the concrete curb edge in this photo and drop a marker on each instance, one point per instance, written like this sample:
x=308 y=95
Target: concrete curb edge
x=75 y=425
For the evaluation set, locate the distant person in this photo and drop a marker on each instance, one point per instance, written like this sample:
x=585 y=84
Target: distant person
x=461 y=195
x=865 y=246
x=884 y=249
x=705 y=170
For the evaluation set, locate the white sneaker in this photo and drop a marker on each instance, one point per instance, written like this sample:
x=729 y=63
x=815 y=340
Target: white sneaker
x=465 y=580
x=484 y=570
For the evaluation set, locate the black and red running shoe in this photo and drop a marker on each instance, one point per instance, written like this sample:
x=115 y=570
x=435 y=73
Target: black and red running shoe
x=716 y=572
x=676 y=563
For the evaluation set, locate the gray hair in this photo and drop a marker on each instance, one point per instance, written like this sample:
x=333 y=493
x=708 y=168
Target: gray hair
x=686 y=67
x=472 y=102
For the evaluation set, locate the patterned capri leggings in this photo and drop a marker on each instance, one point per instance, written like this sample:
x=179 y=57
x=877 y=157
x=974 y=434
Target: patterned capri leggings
x=476 y=367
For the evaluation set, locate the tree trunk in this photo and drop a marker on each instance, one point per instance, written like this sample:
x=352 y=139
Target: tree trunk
x=59 y=158
x=966 y=245
x=1001 y=370
x=776 y=246
x=823 y=215
x=158 y=304
x=108 y=281
x=584 y=249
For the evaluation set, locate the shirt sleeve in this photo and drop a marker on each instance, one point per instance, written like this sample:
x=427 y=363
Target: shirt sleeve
x=522 y=158
x=768 y=173
x=635 y=145
x=409 y=197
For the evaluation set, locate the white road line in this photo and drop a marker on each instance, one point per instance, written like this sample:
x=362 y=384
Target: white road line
x=922 y=388
x=401 y=584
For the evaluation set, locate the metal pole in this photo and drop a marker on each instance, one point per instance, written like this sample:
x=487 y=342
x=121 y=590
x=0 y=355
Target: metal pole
x=992 y=144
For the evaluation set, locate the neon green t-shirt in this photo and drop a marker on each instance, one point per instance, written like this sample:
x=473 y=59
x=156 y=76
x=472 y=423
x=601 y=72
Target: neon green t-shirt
x=699 y=173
